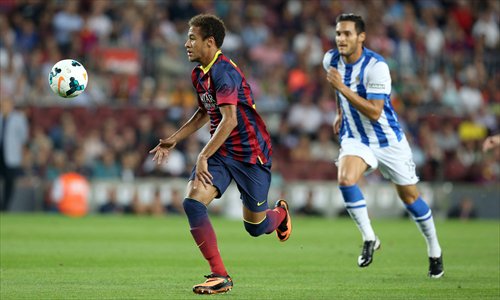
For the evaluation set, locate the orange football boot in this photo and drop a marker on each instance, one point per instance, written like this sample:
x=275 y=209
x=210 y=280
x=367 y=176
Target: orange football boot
x=285 y=228
x=215 y=284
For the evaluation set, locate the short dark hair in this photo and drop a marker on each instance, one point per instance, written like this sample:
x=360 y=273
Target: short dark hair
x=210 y=25
x=357 y=19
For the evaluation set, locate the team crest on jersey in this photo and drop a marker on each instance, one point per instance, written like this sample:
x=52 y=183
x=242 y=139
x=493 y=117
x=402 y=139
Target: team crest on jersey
x=376 y=86
x=357 y=79
x=208 y=101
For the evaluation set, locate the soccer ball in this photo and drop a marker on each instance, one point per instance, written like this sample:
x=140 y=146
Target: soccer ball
x=68 y=78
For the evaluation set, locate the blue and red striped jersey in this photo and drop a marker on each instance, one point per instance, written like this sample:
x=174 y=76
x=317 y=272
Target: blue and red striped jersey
x=223 y=83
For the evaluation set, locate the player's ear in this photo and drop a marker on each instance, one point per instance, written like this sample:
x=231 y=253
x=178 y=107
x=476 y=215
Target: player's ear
x=362 y=37
x=211 y=41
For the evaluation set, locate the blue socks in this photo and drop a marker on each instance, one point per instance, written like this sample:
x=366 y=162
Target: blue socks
x=356 y=206
x=353 y=197
x=422 y=215
x=419 y=210
x=196 y=212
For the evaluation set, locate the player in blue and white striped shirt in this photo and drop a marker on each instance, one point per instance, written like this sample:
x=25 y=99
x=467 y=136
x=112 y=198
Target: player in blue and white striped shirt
x=371 y=137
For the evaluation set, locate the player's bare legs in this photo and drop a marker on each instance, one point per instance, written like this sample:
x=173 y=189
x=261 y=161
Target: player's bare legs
x=195 y=206
x=422 y=215
x=351 y=168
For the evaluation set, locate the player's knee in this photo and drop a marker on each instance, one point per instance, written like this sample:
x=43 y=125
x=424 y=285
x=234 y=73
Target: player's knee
x=256 y=229
x=346 y=180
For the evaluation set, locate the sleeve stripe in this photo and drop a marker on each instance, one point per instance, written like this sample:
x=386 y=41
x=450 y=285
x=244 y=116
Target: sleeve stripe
x=373 y=96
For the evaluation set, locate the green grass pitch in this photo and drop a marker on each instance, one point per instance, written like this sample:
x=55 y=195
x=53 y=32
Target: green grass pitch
x=125 y=257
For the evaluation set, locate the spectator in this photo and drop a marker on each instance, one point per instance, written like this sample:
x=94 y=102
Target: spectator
x=156 y=208
x=464 y=210
x=308 y=43
x=273 y=99
x=13 y=136
x=93 y=146
x=66 y=23
x=129 y=164
x=308 y=209
x=470 y=96
x=107 y=167
x=136 y=206
x=486 y=29
x=79 y=164
x=302 y=152
x=305 y=116
x=444 y=56
x=58 y=166
x=99 y=22
x=111 y=205
x=175 y=204
x=447 y=137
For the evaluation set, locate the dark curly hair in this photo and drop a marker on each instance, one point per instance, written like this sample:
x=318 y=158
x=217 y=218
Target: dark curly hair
x=210 y=25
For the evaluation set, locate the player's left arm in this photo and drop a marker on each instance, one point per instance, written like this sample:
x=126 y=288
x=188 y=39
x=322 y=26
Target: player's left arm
x=226 y=80
x=226 y=126
x=371 y=108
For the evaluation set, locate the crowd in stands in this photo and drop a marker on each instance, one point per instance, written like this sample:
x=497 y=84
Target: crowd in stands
x=443 y=57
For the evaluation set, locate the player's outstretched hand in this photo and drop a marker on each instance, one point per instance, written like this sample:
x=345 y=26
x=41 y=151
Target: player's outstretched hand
x=162 y=150
x=491 y=142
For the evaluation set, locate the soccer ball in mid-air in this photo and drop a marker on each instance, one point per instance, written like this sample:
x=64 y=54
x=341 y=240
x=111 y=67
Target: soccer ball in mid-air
x=68 y=78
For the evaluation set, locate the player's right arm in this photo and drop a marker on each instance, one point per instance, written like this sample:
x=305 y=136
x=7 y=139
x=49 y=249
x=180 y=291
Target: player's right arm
x=338 y=119
x=370 y=109
x=327 y=58
x=162 y=150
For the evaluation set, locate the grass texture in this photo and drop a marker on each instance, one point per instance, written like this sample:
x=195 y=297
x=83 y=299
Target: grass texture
x=46 y=256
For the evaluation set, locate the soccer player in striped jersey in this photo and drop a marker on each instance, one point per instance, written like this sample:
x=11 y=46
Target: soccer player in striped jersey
x=371 y=137
x=239 y=149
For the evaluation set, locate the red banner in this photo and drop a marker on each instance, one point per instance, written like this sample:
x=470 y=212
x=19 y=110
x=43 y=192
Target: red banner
x=120 y=60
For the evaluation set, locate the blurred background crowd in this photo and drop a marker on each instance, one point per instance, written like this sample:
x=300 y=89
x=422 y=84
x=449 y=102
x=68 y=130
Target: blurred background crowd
x=443 y=56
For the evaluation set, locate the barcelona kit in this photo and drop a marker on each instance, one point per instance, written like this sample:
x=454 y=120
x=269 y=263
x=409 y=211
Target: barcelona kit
x=246 y=154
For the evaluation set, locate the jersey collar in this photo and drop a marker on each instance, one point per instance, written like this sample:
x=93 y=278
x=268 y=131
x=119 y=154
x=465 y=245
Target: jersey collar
x=363 y=52
x=207 y=68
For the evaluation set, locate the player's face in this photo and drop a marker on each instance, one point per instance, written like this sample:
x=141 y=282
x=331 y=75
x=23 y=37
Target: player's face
x=349 y=43
x=197 y=47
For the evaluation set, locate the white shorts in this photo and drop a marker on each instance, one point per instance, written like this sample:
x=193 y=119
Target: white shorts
x=395 y=161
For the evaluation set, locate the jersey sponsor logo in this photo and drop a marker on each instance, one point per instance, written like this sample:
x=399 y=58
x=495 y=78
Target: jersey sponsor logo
x=260 y=203
x=208 y=101
x=376 y=86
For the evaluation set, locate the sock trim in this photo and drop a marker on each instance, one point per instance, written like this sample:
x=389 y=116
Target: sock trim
x=265 y=217
x=425 y=217
x=354 y=207
x=357 y=204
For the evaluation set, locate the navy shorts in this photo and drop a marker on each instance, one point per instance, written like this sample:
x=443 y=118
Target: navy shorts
x=253 y=180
